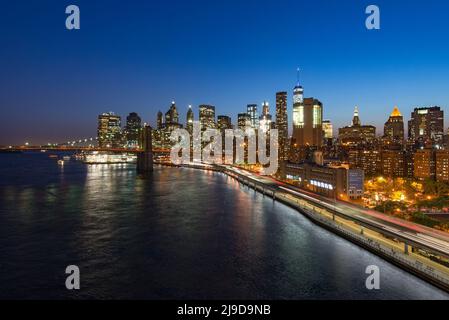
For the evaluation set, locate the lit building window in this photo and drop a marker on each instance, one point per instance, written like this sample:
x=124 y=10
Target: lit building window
x=317 y=121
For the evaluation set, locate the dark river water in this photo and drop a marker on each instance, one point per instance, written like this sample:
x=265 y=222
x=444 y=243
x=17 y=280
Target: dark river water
x=180 y=234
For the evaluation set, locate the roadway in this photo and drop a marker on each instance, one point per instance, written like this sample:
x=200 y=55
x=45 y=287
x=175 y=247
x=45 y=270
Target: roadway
x=418 y=236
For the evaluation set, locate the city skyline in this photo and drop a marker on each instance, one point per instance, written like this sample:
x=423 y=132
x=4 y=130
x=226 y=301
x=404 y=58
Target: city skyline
x=192 y=63
x=205 y=152
x=235 y=120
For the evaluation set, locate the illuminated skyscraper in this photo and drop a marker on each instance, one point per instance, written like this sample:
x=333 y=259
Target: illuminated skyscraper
x=160 y=120
x=265 y=119
x=243 y=121
x=426 y=126
x=171 y=124
x=189 y=120
x=357 y=134
x=394 y=127
x=251 y=109
x=207 y=117
x=298 y=107
x=224 y=122
x=307 y=119
x=133 y=130
x=109 y=131
x=172 y=115
x=282 y=125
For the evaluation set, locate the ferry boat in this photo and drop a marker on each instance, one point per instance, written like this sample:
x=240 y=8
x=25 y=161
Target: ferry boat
x=61 y=162
x=109 y=158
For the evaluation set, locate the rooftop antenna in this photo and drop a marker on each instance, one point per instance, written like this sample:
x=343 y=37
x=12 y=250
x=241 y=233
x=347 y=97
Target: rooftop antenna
x=297 y=75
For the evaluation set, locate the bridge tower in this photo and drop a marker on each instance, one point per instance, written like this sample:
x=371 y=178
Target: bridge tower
x=145 y=158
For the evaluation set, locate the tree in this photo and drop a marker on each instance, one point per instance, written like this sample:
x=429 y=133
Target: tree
x=430 y=187
x=441 y=188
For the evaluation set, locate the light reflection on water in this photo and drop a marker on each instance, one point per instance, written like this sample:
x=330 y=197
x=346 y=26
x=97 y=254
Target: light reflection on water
x=179 y=234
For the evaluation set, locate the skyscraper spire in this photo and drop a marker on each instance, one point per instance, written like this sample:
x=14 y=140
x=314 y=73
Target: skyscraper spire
x=297 y=76
x=356 y=119
x=396 y=112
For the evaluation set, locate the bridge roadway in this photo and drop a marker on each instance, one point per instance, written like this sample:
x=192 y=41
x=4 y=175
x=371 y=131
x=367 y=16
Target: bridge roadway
x=78 y=149
x=431 y=240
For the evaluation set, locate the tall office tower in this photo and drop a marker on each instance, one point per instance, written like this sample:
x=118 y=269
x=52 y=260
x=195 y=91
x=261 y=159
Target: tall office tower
x=171 y=124
x=394 y=127
x=189 y=121
x=172 y=115
x=109 y=131
x=207 y=117
x=243 y=121
x=282 y=125
x=357 y=134
x=160 y=120
x=265 y=108
x=251 y=109
x=307 y=119
x=328 y=129
x=133 y=130
x=298 y=107
x=265 y=119
x=308 y=130
x=224 y=122
x=426 y=126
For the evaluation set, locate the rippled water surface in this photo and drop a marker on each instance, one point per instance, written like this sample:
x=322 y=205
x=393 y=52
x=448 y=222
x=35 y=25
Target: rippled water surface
x=181 y=233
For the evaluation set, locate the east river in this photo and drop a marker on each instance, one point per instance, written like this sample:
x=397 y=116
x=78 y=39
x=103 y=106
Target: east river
x=179 y=234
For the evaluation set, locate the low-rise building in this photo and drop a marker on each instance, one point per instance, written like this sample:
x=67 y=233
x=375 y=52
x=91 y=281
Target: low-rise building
x=330 y=181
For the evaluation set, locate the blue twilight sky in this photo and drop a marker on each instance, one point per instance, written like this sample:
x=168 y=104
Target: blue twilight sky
x=139 y=55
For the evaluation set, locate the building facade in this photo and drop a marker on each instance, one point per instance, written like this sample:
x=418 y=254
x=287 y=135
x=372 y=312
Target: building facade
x=207 y=117
x=109 y=131
x=424 y=164
x=189 y=120
x=328 y=130
x=394 y=128
x=265 y=120
x=442 y=165
x=243 y=121
x=307 y=120
x=370 y=161
x=394 y=163
x=282 y=125
x=333 y=182
x=357 y=134
x=133 y=130
x=426 y=126
x=251 y=110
